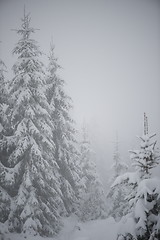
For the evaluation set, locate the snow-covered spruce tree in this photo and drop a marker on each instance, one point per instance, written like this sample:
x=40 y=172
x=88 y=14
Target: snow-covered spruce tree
x=5 y=200
x=29 y=175
x=118 y=167
x=65 y=153
x=145 y=216
x=93 y=201
x=116 y=202
x=3 y=98
x=146 y=158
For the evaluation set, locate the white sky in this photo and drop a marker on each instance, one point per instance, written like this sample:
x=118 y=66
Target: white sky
x=110 y=54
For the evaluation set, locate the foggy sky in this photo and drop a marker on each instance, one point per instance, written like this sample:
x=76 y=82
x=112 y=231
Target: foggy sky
x=110 y=54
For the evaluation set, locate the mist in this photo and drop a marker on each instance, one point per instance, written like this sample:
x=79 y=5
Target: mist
x=110 y=54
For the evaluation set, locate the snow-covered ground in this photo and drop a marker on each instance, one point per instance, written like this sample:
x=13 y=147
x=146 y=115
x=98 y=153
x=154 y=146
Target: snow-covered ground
x=73 y=230
x=92 y=230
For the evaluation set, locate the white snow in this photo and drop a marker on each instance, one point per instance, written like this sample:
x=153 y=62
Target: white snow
x=1 y=127
x=148 y=186
x=126 y=225
x=74 y=230
x=91 y=230
x=130 y=177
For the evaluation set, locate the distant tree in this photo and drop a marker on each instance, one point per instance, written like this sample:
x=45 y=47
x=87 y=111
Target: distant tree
x=29 y=173
x=3 y=98
x=116 y=202
x=145 y=215
x=118 y=166
x=65 y=153
x=93 y=202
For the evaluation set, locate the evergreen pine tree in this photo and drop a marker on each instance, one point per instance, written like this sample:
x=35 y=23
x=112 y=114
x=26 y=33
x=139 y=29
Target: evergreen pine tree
x=145 y=215
x=119 y=167
x=29 y=173
x=5 y=200
x=93 y=202
x=146 y=158
x=65 y=153
x=116 y=202
x=3 y=98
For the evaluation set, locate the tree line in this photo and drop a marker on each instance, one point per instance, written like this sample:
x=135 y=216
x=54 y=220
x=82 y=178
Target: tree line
x=134 y=196
x=45 y=174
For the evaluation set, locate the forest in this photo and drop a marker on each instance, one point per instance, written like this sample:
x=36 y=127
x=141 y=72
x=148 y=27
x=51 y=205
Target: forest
x=48 y=178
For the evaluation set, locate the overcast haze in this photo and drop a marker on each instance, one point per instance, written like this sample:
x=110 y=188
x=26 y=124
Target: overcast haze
x=110 y=54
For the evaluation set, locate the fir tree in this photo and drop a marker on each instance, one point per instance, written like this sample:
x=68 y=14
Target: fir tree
x=116 y=202
x=146 y=158
x=145 y=215
x=4 y=197
x=29 y=173
x=66 y=154
x=93 y=202
x=119 y=167
x=3 y=98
